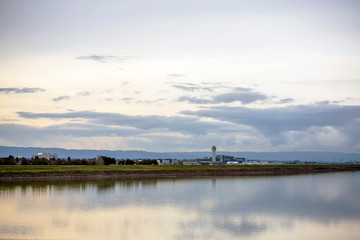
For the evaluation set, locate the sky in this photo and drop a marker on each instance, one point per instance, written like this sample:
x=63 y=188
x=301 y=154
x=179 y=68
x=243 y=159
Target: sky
x=180 y=75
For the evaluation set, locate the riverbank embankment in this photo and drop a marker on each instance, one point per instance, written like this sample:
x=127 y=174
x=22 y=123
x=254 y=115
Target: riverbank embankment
x=53 y=172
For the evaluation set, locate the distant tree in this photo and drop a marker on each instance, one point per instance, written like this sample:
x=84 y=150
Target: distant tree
x=108 y=160
x=148 y=162
x=8 y=161
x=129 y=162
x=39 y=161
x=76 y=162
x=58 y=161
x=24 y=161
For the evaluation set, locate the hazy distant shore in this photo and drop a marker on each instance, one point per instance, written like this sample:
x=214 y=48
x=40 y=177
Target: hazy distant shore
x=329 y=157
x=44 y=173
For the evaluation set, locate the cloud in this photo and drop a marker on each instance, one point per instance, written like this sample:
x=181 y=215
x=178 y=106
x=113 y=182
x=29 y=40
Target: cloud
x=70 y=135
x=127 y=99
x=245 y=97
x=194 y=100
x=140 y=132
x=277 y=123
x=104 y=58
x=68 y=129
x=137 y=101
x=242 y=95
x=99 y=58
x=192 y=87
x=285 y=100
x=281 y=119
x=300 y=127
x=184 y=125
x=77 y=95
x=21 y=90
x=175 y=75
x=61 y=98
x=84 y=93
x=187 y=88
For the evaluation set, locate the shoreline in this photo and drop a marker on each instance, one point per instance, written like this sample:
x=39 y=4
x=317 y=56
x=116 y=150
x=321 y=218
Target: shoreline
x=27 y=174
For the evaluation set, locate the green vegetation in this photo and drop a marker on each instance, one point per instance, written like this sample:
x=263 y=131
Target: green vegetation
x=148 y=162
x=68 y=172
x=101 y=160
x=8 y=161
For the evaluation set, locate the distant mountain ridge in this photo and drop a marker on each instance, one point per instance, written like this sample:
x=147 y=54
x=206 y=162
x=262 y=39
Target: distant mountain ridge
x=280 y=156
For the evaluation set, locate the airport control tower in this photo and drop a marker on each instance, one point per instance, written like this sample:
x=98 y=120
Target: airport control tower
x=214 y=153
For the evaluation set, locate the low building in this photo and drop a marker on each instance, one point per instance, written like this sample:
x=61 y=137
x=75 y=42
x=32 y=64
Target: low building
x=240 y=160
x=256 y=162
x=205 y=162
x=164 y=161
x=233 y=163
x=47 y=156
x=190 y=163
x=224 y=158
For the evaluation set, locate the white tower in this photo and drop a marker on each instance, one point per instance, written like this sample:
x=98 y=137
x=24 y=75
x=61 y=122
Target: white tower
x=214 y=153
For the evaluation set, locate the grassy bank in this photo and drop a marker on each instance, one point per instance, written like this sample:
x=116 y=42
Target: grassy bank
x=141 y=171
x=95 y=168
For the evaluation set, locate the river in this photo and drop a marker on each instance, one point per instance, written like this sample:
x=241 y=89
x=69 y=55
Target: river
x=311 y=206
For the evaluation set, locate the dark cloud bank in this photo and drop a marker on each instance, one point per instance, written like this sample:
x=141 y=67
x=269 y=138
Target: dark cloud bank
x=276 y=120
x=187 y=125
x=211 y=125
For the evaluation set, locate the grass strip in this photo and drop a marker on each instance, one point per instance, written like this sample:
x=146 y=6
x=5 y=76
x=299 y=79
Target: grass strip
x=142 y=168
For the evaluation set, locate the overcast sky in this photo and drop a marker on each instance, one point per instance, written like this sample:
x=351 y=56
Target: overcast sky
x=181 y=75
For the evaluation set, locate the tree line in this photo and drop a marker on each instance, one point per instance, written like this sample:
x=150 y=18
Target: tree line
x=101 y=160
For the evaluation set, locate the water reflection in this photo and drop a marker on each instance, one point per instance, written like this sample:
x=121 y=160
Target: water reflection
x=296 y=207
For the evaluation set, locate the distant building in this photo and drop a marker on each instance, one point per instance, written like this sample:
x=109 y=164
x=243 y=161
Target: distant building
x=240 y=160
x=165 y=161
x=48 y=156
x=233 y=163
x=205 y=162
x=190 y=163
x=220 y=160
x=224 y=158
x=254 y=162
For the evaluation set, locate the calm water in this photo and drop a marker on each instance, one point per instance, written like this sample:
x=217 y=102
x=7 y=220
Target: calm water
x=321 y=206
